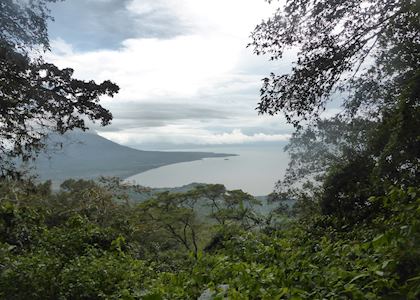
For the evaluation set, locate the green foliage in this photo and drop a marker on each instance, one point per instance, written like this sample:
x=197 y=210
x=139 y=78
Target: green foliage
x=308 y=262
x=367 y=55
x=319 y=257
x=29 y=276
x=346 y=196
x=103 y=276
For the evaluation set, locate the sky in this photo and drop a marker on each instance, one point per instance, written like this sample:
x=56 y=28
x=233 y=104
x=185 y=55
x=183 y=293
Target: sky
x=185 y=73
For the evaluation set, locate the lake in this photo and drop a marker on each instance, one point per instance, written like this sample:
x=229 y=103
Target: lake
x=255 y=170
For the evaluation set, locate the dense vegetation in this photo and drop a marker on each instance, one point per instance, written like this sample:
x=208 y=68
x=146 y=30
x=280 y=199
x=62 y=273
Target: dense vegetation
x=88 y=241
x=353 y=231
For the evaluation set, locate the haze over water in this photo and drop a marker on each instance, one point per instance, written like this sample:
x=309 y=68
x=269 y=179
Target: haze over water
x=255 y=170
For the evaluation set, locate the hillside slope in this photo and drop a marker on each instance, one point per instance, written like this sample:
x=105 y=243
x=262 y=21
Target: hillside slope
x=88 y=155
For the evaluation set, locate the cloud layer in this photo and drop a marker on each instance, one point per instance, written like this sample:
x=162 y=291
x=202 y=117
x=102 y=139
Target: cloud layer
x=185 y=73
x=104 y=24
x=179 y=135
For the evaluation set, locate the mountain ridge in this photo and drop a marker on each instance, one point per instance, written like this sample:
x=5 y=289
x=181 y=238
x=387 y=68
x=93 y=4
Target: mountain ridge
x=87 y=155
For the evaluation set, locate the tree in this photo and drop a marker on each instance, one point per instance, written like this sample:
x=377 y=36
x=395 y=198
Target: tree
x=38 y=98
x=227 y=207
x=368 y=53
x=174 y=220
x=335 y=39
x=172 y=216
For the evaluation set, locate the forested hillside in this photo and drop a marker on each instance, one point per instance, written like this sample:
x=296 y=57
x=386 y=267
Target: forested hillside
x=346 y=217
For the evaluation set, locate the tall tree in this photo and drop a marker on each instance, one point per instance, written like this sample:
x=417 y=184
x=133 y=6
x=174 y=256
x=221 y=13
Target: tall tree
x=335 y=40
x=36 y=97
x=368 y=52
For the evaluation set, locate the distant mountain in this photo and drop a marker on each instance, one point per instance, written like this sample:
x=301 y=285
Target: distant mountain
x=88 y=155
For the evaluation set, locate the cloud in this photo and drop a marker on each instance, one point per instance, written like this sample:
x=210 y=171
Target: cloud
x=149 y=68
x=195 y=84
x=146 y=115
x=104 y=24
x=178 y=136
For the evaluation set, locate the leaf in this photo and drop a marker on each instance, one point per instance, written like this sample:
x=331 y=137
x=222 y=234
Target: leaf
x=414 y=279
x=152 y=297
x=379 y=240
x=386 y=263
x=358 y=277
x=283 y=291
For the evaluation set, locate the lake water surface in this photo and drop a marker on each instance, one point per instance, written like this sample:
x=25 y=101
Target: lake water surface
x=255 y=170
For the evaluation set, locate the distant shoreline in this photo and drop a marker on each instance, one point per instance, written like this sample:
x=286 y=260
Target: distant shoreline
x=57 y=176
x=124 y=175
x=217 y=155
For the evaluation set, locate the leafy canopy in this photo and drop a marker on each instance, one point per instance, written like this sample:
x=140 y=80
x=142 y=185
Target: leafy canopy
x=336 y=41
x=36 y=97
x=366 y=53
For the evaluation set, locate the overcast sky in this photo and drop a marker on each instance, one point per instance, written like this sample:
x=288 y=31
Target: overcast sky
x=185 y=74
